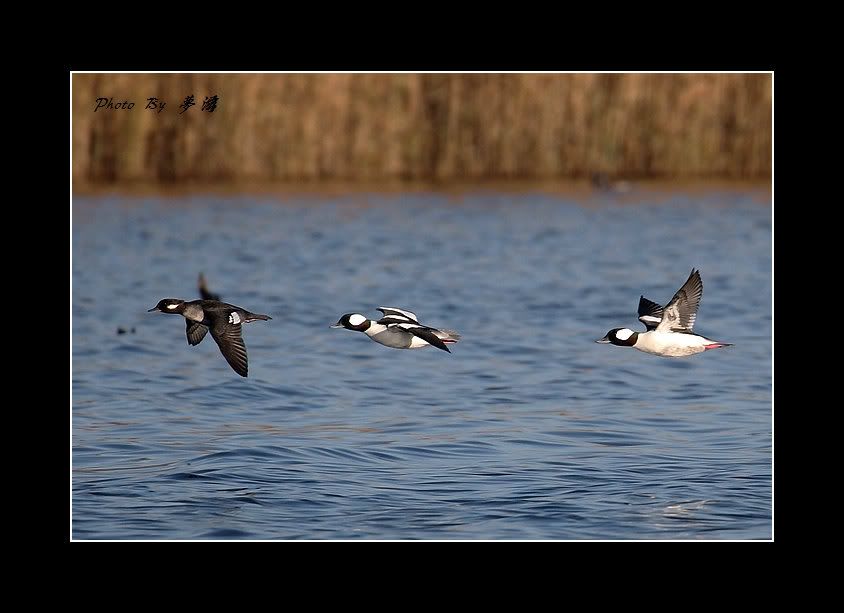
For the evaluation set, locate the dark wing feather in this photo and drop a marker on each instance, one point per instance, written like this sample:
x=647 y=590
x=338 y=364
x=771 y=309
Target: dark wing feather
x=230 y=340
x=679 y=315
x=205 y=292
x=391 y=320
x=428 y=335
x=402 y=314
x=650 y=313
x=195 y=332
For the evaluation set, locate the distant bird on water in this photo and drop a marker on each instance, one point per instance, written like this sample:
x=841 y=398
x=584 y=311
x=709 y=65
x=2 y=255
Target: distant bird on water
x=601 y=181
x=669 y=328
x=399 y=329
x=205 y=292
x=224 y=320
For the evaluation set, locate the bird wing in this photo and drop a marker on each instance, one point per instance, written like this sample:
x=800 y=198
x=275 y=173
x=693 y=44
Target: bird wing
x=679 y=315
x=204 y=292
x=650 y=313
x=195 y=331
x=425 y=333
x=230 y=340
x=399 y=313
x=394 y=320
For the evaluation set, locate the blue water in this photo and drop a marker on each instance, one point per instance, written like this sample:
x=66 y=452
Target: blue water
x=528 y=430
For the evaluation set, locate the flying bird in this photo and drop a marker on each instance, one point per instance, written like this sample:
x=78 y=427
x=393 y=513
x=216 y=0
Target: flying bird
x=669 y=328
x=399 y=329
x=222 y=319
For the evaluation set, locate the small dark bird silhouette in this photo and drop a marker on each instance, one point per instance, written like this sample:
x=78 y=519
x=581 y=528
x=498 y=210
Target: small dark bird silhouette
x=601 y=181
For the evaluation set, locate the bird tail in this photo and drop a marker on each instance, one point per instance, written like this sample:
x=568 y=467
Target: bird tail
x=448 y=336
x=717 y=345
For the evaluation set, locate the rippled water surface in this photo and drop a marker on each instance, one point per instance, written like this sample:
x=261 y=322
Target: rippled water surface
x=528 y=430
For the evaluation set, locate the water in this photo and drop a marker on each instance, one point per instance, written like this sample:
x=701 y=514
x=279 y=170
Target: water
x=528 y=430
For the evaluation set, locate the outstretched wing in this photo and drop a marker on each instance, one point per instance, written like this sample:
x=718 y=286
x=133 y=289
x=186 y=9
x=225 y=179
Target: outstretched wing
x=425 y=333
x=195 y=331
x=392 y=320
x=650 y=313
x=401 y=314
x=204 y=292
x=230 y=340
x=679 y=315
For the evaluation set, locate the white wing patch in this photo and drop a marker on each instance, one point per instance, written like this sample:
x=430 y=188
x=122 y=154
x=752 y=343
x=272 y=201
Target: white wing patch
x=407 y=326
x=402 y=312
x=172 y=306
x=650 y=318
x=356 y=319
x=624 y=334
x=234 y=318
x=670 y=316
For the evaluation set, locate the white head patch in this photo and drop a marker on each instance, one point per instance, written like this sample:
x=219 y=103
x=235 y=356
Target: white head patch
x=624 y=334
x=234 y=318
x=172 y=306
x=356 y=319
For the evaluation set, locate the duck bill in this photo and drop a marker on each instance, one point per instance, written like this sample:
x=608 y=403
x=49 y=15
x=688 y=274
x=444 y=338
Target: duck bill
x=154 y=309
x=337 y=325
x=603 y=341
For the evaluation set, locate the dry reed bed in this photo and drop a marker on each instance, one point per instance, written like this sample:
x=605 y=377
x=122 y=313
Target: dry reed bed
x=422 y=127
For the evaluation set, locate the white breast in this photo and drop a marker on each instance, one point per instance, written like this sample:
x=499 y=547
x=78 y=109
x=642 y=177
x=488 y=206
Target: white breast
x=671 y=344
x=374 y=329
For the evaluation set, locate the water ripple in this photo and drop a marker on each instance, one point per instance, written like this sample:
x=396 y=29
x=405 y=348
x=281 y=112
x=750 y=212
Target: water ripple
x=527 y=430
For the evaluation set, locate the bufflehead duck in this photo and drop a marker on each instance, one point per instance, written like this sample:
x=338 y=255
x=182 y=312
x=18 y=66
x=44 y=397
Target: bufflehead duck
x=399 y=329
x=669 y=328
x=222 y=319
x=205 y=292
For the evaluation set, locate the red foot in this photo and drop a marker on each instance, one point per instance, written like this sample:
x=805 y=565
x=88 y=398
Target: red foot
x=448 y=340
x=716 y=345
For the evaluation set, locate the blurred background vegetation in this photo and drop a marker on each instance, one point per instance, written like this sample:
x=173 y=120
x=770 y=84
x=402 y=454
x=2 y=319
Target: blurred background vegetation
x=299 y=128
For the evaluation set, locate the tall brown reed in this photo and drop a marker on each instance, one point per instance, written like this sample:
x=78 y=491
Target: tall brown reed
x=426 y=127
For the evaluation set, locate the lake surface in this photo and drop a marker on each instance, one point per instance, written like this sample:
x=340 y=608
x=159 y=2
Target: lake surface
x=528 y=430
